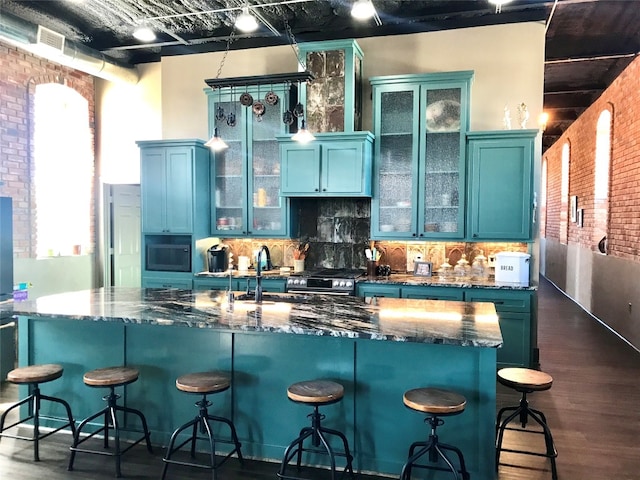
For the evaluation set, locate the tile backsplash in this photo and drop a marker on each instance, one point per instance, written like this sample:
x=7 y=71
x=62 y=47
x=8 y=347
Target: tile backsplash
x=337 y=230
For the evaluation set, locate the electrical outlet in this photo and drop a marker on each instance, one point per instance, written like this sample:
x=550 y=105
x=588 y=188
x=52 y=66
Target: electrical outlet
x=629 y=307
x=491 y=260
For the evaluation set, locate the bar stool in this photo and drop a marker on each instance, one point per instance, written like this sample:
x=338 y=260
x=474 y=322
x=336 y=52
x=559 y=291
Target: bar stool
x=316 y=393
x=437 y=403
x=525 y=380
x=110 y=377
x=203 y=383
x=32 y=376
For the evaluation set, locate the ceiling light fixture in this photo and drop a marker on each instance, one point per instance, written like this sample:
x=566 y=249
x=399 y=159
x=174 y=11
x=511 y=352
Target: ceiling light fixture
x=216 y=143
x=364 y=10
x=543 y=119
x=144 y=34
x=303 y=135
x=498 y=4
x=245 y=22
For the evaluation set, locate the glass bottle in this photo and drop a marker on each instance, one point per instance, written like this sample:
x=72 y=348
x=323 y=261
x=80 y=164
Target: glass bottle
x=479 y=268
x=462 y=270
x=446 y=271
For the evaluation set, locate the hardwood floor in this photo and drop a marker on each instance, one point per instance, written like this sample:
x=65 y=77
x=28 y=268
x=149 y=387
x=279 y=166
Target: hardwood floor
x=593 y=410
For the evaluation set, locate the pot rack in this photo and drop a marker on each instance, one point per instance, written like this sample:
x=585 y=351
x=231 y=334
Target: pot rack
x=294 y=77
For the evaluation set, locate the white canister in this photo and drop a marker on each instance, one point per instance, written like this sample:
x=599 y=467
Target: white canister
x=243 y=263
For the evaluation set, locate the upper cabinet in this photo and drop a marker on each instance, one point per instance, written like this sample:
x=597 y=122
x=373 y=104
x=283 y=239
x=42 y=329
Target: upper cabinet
x=500 y=185
x=174 y=193
x=333 y=100
x=245 y=178
x=335 y=164
x=420 y=123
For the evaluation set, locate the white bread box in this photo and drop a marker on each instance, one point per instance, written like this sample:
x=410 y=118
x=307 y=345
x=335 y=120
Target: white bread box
x=512 y=269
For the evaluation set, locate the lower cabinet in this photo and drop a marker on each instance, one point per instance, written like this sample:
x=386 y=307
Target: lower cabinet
x=377 y=290
x=431 y=293
x=238 y=284
x=167 y=280
x=515 y=309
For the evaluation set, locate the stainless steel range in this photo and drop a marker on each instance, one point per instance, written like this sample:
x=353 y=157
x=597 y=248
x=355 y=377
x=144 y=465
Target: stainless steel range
x=331 y=281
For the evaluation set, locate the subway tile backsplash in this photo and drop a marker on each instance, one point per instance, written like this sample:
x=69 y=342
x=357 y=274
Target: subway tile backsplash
x=337 y=230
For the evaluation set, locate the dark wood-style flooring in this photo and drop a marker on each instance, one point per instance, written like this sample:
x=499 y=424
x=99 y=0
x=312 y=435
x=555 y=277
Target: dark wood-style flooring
x=593 y=410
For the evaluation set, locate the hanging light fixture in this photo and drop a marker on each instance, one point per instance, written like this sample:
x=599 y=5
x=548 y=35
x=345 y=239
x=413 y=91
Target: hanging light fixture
x=245 y=22
x=362 y=9
x=144 y=33
x=303 y=135
x=216 y=143
x=498 y=4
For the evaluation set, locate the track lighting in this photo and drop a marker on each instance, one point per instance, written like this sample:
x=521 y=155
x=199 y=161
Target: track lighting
x=363 y=9
x=245 y=22
x=144 y=34
x=498 y=4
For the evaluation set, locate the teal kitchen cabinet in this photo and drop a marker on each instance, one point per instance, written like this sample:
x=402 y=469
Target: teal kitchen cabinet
x=245 y=178
x=500 y=185
x=174 y=185
x=365 y=289
x=238 y=283
x=170 y=181
x=431 y=293
x=516 y=313
x=420 y=123
x=335 y=164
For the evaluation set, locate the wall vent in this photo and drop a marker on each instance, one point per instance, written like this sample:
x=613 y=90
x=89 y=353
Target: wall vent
x=50 y=39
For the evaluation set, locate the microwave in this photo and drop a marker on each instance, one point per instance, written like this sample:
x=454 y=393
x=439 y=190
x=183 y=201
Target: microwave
x=168 y=257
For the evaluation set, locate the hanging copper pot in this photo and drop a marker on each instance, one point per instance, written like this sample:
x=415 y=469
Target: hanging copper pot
x=271 y=98
x=298 y=110
x=258 y=108
x=287 y=118
x=246 y=99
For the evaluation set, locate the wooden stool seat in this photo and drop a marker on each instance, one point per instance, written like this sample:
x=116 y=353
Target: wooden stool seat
x=110 y=376
x=35 y=373
x=525 y=379
x=434 y=401
x=203 y=382
x=315 y=391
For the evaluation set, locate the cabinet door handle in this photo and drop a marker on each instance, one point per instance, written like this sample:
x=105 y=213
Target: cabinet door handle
x=317 y=190
x=324 y=189
x=413 y=234
x=475 y=235
x=422 y=235
x=499 y=302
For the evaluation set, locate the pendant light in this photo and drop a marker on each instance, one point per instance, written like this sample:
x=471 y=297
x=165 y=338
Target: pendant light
x=303 y=135
x=363 y=9
x=216 y=143
x=144 y=33
x=498 y=4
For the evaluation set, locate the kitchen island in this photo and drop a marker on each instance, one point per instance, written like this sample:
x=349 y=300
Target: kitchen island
x=377 y=348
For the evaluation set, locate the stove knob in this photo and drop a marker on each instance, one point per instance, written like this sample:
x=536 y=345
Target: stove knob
x=349 y=284
x=303 y=282
x=343 y=283
x=290 y=282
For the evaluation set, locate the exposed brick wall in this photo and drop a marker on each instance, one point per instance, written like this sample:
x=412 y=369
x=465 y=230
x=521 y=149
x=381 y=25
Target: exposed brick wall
x=622 y=99
x=20 y=72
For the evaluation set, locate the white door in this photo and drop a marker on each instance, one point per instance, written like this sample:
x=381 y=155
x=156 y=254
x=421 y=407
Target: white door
x=125 y=228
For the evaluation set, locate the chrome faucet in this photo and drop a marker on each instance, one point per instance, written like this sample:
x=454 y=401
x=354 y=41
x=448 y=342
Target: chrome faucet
x=258 y=298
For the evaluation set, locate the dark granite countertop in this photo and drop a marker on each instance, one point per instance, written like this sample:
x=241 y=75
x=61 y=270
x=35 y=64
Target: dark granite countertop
x=402 y=320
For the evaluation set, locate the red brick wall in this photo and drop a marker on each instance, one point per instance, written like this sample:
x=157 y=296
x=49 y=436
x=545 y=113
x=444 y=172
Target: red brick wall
x=20 y=72
x=622 y=98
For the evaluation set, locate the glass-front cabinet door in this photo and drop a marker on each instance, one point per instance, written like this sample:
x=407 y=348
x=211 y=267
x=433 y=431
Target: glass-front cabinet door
x=420 y=122
x=395 y=189
x=247 y=174
x=443 y=159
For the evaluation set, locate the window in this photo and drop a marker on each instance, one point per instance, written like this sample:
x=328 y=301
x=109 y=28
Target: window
x=63 y=170
x=601 y=187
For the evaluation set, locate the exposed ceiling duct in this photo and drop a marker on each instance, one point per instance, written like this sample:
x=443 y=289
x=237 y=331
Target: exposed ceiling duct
x=53 y=46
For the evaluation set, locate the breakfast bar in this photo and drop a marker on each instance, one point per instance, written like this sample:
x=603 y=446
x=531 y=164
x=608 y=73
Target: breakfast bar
x=376 y=347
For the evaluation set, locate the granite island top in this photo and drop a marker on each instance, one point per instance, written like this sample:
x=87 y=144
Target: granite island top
x=391 y=319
